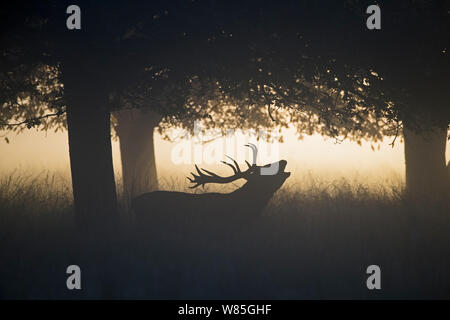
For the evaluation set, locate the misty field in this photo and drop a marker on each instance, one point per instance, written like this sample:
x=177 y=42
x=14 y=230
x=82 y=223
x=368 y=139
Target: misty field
x=315 y=240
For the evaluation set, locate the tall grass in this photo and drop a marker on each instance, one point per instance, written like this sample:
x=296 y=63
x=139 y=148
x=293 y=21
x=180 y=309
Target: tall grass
x=315 y=240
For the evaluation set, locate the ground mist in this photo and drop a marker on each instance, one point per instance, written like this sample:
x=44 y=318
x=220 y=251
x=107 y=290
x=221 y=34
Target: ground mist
x=314 y=240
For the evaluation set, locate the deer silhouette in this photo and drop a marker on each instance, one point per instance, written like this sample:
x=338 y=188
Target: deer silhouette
x=215 y=211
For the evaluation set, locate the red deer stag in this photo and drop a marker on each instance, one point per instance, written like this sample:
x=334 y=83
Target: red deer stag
x=179 y=211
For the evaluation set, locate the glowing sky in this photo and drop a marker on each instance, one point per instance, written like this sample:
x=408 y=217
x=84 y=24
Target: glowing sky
x=34 y=150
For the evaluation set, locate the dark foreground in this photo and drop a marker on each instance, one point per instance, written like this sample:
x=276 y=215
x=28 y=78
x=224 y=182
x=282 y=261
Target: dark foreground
x=307 y=246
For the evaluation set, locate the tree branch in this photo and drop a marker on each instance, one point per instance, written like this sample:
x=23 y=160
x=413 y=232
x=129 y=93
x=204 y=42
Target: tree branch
x=31 y=122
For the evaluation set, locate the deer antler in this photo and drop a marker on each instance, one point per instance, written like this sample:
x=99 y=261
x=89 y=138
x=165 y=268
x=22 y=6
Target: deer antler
x=255 y=152
x=204 y=176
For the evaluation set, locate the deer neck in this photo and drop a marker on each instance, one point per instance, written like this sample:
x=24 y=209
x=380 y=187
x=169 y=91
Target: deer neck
x=252 y=196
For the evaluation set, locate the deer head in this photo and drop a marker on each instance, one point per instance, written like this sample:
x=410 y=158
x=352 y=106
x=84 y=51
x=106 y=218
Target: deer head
x=260 y=179
x=222 y=212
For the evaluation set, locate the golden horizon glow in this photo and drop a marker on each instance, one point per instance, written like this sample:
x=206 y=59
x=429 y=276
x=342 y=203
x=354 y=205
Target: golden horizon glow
x=36 y=151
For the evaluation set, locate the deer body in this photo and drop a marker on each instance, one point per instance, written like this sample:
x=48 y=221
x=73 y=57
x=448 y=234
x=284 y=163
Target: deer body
x=180 y=211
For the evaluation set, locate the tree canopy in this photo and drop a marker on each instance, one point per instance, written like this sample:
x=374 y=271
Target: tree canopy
x=189 y=59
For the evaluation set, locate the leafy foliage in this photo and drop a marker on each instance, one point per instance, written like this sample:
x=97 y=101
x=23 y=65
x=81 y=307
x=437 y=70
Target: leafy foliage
x=238 y=64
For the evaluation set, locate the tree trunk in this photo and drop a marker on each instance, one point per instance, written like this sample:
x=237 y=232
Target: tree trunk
x=88 y=77
x=426 y=171
x=91 y=165
x=135 y=131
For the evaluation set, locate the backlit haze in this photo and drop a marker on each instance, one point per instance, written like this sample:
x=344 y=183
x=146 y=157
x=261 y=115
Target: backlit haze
x=34 y=151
